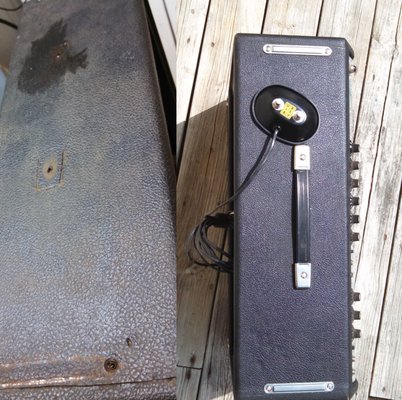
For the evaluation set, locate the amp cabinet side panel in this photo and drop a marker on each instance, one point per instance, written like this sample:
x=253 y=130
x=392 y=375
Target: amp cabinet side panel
x=281 y=334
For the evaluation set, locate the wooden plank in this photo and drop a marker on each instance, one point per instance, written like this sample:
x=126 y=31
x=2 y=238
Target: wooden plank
x=191 y=21
x=388 y=366
x=165 y=32
x=188 y=380
x=288 y=18
x=351 y=19
x=386 y=382
x=376 y=398
x=216 y=374
x=202 y=181
x=8 y=35
x=372 y=105
x=170 y=6
x=216 y=379
x=380 y=222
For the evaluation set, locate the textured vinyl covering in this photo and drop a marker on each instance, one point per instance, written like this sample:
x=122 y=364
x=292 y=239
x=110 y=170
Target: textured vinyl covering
x=155 y=390
x=2 y=84
x=284 y=335
x=87 y=208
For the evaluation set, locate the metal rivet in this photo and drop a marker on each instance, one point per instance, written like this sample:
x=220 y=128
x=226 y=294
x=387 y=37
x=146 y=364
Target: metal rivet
x=330 y=386
x=277 y=104
x=299 y=116
x=302 y=157
x=268 y=389
x=328 y=51
x=304 y=275
x=352 y=68
x=111 y=365
x=267 y=48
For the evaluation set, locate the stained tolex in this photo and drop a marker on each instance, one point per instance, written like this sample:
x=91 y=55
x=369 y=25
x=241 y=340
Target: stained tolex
x=51 y=57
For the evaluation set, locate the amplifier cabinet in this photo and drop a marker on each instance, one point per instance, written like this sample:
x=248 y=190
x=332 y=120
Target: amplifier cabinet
x=292 y=328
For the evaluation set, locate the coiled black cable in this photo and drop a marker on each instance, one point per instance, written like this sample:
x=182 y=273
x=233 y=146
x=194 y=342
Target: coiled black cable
x=200 y=249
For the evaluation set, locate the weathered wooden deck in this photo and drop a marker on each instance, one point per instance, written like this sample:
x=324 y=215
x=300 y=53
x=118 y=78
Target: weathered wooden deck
x=205 y=35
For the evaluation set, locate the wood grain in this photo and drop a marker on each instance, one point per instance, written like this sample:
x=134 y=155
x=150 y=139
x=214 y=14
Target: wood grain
x=216 y=380
x=202 y=178
x=371 y=112
x=288 y=18
x=380 y=226
x=165 y=32
x=7 y=34
x=191 y=22
x=353 y=20
x=386 y=382
x=388 y=363
x=170 y=6
x=188 y=380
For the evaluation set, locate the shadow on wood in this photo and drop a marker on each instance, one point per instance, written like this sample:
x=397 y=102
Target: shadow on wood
x=202 y=185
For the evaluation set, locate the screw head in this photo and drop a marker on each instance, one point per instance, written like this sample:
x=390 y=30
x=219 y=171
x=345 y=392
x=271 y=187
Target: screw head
x=299 y=116
x=267 y=48
x=268 y=389
x=302 y=157
x=303 y=275
x=111 y=365
x=330 y=386
x=352 y=68
x=277 y=104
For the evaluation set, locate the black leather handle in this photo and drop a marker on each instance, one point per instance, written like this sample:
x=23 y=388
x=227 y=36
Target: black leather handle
x=302 y=216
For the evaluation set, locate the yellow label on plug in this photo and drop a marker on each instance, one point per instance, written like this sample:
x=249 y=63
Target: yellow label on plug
x=288 y=110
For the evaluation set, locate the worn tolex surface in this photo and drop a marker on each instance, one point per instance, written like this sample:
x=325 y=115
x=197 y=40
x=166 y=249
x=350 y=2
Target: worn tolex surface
x=87 y=286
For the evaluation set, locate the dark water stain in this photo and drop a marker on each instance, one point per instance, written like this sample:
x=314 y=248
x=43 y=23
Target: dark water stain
x=49 y=60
